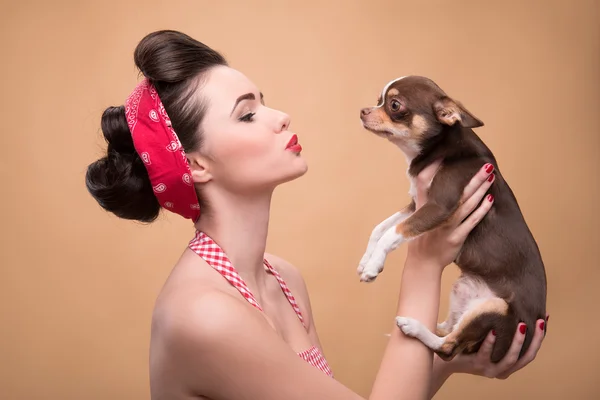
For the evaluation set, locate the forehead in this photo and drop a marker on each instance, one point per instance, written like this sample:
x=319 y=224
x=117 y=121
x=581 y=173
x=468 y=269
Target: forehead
x=387 y=87
x=223 y=85
x=409 y=85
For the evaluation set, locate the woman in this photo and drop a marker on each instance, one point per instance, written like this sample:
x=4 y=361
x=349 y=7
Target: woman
x=231 y=322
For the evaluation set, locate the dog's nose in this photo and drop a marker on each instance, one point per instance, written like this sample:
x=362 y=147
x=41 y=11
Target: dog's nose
x=365 y=112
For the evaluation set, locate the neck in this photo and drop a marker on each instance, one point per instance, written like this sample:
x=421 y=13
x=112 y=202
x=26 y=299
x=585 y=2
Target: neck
x=239 y=225
x=446 y=144
x=410 y=151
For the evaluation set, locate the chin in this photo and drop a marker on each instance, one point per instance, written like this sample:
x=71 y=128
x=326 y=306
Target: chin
x=299 y=168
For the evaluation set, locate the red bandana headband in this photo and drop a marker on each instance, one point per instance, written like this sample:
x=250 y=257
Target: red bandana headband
x=159 y=148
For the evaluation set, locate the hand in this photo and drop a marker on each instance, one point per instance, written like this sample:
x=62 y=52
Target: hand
x=480 y=363
x=443 y=244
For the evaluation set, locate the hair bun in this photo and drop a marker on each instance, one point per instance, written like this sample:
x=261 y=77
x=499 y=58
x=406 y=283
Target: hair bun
x=119 y=181
x=171 y=56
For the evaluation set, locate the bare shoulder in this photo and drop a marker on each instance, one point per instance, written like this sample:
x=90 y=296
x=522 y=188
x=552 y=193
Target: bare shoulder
x=196 y=305
x=187 y=327
x=200 y=317
x=221 y=349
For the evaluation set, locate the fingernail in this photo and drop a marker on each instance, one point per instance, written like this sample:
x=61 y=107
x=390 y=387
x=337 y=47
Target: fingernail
x=547 y=318
x=542 y=325
x=522 y=328
x=491 y=177
x=488 y=168
x=490 y=198
x=494 y=332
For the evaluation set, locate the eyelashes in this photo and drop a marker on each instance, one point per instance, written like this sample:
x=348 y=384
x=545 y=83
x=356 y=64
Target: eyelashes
x=247 y=117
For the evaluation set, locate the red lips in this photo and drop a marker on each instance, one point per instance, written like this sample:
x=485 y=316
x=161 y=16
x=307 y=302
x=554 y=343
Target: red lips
x=293 y=145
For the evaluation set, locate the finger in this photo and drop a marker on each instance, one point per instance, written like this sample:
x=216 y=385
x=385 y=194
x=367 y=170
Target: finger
x=463 y=230
x=485 y=351
x=424 y=179
x=478 y=180
x=512 y=355
x=471 y=202
x=531 y=353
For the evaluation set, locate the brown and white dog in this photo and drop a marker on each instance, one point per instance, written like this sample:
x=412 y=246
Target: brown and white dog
x=503 y=279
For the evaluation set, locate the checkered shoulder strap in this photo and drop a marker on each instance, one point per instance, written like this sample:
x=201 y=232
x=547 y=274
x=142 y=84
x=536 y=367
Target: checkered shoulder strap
x=286 y=291
x=212 y=253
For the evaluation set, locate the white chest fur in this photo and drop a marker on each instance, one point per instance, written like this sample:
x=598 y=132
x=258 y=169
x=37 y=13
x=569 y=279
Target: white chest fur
x=412 y=191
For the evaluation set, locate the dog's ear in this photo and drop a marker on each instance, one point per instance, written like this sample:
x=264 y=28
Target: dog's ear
x=449 y=111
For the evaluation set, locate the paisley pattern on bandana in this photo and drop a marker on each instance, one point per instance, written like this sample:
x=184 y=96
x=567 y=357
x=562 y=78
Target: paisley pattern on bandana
x=159 y=148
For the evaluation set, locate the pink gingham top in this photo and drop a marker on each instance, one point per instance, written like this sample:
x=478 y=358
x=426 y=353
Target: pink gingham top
x=210 y=251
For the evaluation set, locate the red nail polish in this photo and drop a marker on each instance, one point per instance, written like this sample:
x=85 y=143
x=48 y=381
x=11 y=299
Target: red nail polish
x=522 y=328
x=490 y=198
x=542 y=325
x=494 y=332
x=547 y=318
x=489 y=168
x=491 y=177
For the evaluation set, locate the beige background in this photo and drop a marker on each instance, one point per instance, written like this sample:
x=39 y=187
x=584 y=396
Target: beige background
x=77 y=285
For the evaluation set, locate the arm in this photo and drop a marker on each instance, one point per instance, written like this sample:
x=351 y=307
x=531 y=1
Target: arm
x=410 y=288
x=224 y=349
x=427 y=257
x=406 y=367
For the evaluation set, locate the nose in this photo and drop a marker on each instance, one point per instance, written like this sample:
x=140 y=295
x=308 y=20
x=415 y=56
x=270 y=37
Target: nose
x=283 y=123
x=365 y=111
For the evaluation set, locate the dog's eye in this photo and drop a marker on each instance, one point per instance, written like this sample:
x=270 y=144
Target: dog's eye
x=395 y=105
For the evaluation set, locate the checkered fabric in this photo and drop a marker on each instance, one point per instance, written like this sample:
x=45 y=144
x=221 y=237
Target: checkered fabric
x=212 y=253
x=286 y=291
x=314 y=357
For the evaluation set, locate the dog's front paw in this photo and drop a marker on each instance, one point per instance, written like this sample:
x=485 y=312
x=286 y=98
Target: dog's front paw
x=360 y=269
x=409 y=326
x=371 y=269
x=363 y=262
x=368 y=277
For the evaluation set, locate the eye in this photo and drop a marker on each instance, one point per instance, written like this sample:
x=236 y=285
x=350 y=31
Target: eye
x=247 y=117
x=395 y=105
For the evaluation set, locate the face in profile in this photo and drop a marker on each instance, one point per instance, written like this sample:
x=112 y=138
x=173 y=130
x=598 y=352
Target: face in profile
x=247 y=146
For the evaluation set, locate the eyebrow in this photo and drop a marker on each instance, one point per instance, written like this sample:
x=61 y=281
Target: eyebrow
x=247 y=96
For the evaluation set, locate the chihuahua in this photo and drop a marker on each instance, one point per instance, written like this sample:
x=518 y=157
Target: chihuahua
x=503 y=279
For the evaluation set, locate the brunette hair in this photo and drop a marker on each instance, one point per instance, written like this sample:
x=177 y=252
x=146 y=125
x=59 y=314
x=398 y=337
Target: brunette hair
x=175 y=64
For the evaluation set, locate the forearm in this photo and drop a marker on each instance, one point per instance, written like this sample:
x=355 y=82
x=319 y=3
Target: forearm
x=440 y=373
x=406 y=368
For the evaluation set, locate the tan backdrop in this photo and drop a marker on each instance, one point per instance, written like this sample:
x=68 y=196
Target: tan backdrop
x=78 y=285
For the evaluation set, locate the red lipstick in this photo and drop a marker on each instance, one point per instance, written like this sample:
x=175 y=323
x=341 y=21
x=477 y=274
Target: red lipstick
x=293 y=145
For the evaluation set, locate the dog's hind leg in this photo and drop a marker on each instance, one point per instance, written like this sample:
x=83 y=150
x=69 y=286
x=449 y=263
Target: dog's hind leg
x=464 y=290
x=455 y=309
x=469 y=333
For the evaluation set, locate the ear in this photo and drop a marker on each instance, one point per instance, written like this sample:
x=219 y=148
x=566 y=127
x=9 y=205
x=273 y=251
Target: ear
x=200 y=167
x=449 y=111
